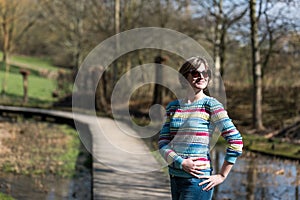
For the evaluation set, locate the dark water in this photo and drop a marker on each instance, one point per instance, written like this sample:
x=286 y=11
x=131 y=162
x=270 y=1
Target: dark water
x=25 y=187
x=256 y=176
x=46 y=187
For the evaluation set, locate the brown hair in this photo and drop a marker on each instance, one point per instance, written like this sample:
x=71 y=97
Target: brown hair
x=192 y=63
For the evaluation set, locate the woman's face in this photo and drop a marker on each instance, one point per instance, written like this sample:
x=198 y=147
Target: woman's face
x=198 y=78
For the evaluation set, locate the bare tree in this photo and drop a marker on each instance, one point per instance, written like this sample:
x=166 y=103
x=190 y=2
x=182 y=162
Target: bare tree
x=15 y=21
x=166 y=12
x=66 y=19
x=256 y=67
x=158 y=92
x=275 y=26
x=270 y=25
x=117 y=30
x=220 y=16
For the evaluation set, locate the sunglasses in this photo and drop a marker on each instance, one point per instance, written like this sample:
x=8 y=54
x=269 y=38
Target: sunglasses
x=195 y=73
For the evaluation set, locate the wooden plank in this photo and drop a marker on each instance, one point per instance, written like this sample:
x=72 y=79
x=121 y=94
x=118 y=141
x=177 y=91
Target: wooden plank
x=124 y=167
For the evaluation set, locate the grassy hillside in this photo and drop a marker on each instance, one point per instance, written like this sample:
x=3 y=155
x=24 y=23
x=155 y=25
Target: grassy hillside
x=32 y=62
x=39 y=88
x=41 y=81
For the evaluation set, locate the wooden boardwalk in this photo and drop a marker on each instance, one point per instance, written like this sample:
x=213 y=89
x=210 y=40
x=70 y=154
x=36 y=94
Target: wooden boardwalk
x=126 y=169
x=123 y=167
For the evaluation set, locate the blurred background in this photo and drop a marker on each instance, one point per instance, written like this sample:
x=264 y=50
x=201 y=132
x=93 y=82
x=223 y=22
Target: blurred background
x=255 y=46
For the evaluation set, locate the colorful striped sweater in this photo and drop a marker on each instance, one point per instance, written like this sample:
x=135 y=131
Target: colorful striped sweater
x=188 y=130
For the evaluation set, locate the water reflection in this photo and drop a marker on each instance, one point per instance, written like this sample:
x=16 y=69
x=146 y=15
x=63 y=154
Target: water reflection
x=256 y=176
x=46 y=187
x=26 y=187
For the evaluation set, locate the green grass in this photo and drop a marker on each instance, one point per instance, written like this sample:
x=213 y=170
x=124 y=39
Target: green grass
x=33 y=62
x=5 y=197
x=13 y=69
x=69 y=157
x=39 y=89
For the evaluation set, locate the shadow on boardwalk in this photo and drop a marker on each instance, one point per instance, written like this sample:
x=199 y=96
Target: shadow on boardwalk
x=127 y=169
x=112 y=184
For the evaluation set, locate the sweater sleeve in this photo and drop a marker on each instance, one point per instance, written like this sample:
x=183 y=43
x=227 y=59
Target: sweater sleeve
x=164 y=143
x=229 y=132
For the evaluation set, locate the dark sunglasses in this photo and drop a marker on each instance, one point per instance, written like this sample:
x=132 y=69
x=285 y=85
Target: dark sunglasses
x=196 y=74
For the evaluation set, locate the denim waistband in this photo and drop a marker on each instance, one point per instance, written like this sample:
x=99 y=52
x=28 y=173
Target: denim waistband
x=207 y=172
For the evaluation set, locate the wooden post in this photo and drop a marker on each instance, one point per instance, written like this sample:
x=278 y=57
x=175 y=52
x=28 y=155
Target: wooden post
x=25 y=74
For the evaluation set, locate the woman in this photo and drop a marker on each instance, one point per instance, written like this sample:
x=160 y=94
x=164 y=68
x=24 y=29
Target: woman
x=185 y=135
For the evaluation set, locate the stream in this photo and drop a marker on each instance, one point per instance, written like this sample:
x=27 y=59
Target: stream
x=25 y=187
x=46 y=187
x=261 y=177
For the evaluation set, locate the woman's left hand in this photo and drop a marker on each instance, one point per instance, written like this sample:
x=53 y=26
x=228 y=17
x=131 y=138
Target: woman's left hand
x=212 y=181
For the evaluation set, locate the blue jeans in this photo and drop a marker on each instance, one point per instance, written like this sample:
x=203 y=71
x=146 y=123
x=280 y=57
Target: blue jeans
x=189 y=189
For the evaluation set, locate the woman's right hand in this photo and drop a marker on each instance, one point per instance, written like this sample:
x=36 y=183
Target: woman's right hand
x=191 y=166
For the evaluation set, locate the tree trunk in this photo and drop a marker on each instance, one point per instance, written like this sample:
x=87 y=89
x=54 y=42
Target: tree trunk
x=222 y=50
x=158 y=89
x=256 y=69
x=217 y=50
x=117 y=30
x=5 y=49
x=79 y=33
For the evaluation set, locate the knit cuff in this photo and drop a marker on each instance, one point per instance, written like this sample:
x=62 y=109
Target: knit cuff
x=178 y=162
x=230 y=159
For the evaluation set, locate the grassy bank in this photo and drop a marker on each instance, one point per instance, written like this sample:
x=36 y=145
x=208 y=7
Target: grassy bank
x=42 y=82
x=38 y=148
x=39 y=92
x=273 y=146
x=5 y=197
